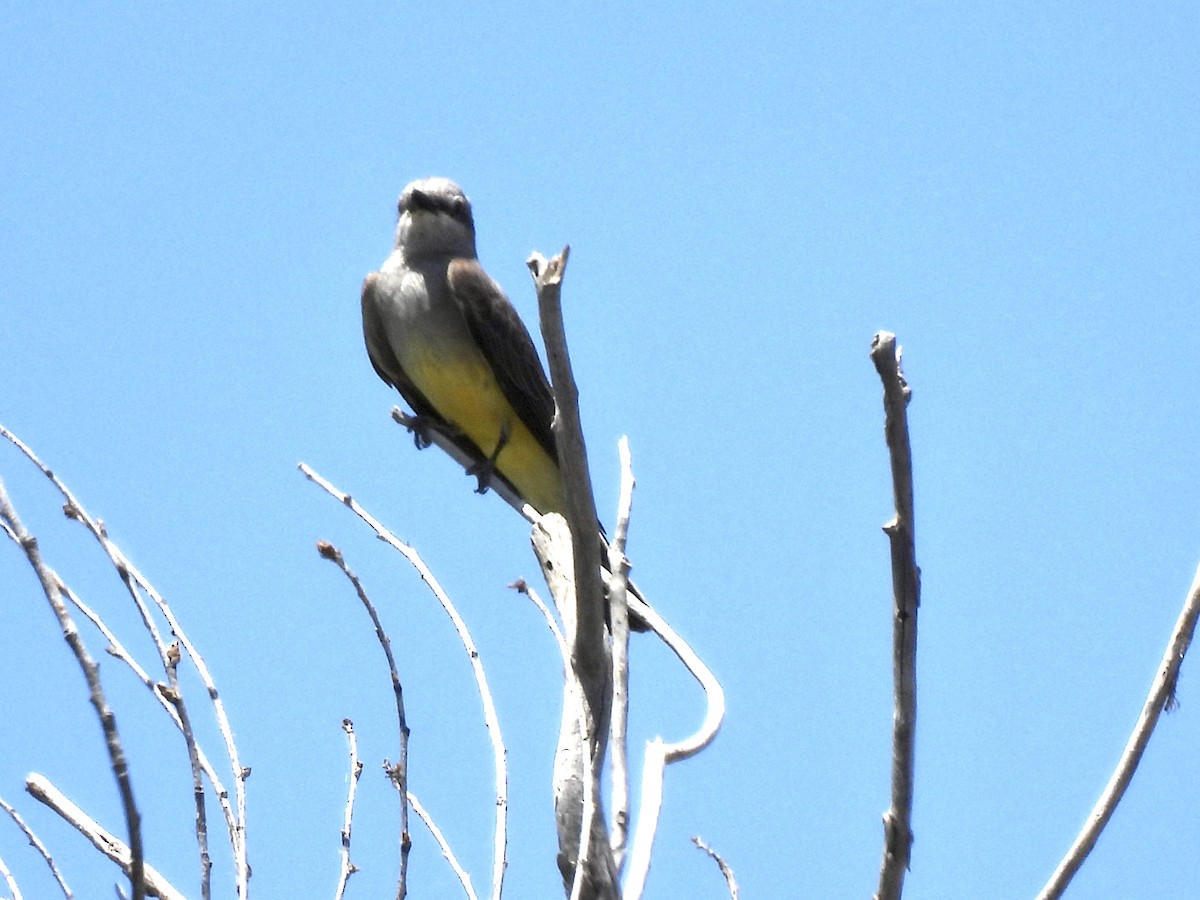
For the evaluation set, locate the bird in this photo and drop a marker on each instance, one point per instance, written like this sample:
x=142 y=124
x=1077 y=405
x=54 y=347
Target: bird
x=443 y=333
x=440 y=331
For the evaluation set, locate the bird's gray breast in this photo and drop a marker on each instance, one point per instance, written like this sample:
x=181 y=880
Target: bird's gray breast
x=418 y=313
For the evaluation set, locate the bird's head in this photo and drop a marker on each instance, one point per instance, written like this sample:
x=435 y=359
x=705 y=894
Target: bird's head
x=435 y=220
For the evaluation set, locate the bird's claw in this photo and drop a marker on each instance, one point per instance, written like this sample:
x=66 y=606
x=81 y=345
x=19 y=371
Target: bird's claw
x=486 y=468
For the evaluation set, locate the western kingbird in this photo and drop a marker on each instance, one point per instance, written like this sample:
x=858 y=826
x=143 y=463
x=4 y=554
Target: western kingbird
x=442 y=333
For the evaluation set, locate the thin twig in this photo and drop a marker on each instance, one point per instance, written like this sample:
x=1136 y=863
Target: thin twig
x=463 y=877
x=618 y=605
x=153 y=884
x=91 y=673
x=37 y=845
x=906 y=595
x=491 y=719
x=117 y=650
x=133 y=580
x=175 y=696
x=523 y=587
x=1161 y=697
x=356 y=767
x=10 y=881
x=730 y=881
x=399 y=772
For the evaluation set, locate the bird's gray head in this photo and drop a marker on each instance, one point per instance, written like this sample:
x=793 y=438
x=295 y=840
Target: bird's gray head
x=435 y=220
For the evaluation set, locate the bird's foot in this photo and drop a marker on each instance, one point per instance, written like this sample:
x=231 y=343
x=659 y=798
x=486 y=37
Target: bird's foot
x=422 y=427
x=486 y=468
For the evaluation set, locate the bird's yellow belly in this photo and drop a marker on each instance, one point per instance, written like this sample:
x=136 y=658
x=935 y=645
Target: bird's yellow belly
x=461 y=387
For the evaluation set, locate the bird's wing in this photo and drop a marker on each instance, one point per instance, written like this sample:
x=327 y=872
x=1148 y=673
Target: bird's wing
x=388 y=367
x=383 y=357
x=507 y=347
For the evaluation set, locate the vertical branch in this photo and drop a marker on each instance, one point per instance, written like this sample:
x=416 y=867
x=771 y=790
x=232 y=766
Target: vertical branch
x=397 y=774
x=356 y=767
x=175 y=695
x=618 y=606
x=591 y=661
x=586 y=867
x=1161 y=697
x=589 y=650
x=490 y=718
x=906 y=595
x=91 y=673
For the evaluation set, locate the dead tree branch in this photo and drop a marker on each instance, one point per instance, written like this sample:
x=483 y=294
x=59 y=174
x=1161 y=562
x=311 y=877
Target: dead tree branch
x=153 y=884
x=906 y=597
x=1161 y=697
x=36 y=843
x=491 y=719
x=398 y=774
x=50 y=583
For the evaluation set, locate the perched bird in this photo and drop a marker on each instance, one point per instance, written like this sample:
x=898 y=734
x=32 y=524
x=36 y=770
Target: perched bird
x=442 y=333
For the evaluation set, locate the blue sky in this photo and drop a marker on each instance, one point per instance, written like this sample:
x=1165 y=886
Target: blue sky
x=189 y=203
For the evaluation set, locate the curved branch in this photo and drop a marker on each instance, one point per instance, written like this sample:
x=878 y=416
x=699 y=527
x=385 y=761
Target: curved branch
x=491 y=719
x=397 y=774
x=50 y=582
x=660 y=754
x=1161 y=697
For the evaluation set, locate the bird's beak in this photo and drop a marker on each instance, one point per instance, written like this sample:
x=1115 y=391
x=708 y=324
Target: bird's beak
x=421 y=200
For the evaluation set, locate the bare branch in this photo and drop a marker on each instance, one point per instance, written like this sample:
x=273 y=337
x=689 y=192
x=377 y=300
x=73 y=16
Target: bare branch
x=175 y=696
x=134 y=580
x=399 y=772
x=591 y=656
x=618 y=604
x=117 y=650
x=590 y=651
x=37 y=845
x=906 y=592
x=551 y=622
x=10 y=881
x=356 y=767
x=463 y=877
x=491 y=720
x=578 y=817
x=571 y=761
x=730 y=881
x=91 y=672
x=659 y=754
x=1161 y=697
x=152 y=885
